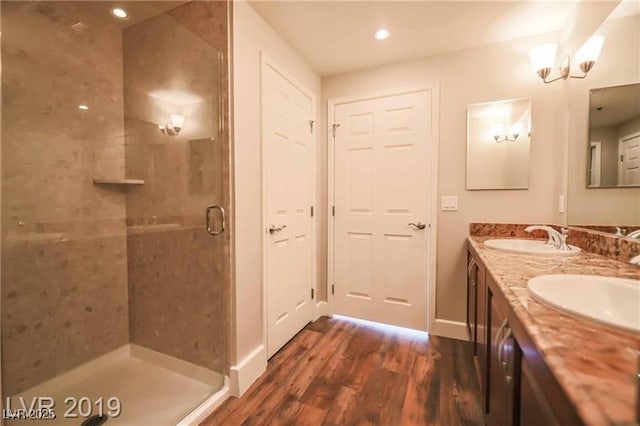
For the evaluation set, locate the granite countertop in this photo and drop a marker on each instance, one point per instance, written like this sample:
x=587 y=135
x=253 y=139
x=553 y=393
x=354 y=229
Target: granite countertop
x=595 y=365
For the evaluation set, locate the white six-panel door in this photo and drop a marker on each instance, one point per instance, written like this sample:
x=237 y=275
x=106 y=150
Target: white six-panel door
x=630 y=160
x=381 y=185
x=288 y=173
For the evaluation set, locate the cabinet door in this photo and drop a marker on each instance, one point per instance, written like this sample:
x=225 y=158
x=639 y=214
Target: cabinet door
x=534 y=408
x=471 y=299
x=503 y=359
x=481 y=325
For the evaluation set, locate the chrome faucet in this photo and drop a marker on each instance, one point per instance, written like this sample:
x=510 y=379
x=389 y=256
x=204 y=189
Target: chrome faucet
x=620 y=232
x=634 y=234
x=563 y=240
x=555 y=238
x=635 y=261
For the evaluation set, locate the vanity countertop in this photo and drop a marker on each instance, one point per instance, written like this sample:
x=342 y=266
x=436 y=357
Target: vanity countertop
x=596 y=366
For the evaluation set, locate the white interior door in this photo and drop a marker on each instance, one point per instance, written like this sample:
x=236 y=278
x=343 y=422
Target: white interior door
x=630 y=160
x=382 y=186
x=288 y=168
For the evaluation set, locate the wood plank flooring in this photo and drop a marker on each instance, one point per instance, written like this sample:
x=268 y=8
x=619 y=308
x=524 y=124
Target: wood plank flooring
x=336 y=372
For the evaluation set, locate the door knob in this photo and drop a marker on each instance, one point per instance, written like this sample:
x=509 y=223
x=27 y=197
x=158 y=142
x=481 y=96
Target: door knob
x=273 y=229
x=418 y=225
x=208 y=220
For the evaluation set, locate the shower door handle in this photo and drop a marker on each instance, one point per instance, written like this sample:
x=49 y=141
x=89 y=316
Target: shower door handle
x=208 y=219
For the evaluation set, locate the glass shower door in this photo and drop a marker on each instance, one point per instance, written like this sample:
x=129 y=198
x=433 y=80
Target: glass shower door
x=113 y=145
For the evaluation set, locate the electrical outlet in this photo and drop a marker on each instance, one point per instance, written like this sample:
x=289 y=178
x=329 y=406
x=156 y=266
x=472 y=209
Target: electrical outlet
x=449 y=203
x=561 y=204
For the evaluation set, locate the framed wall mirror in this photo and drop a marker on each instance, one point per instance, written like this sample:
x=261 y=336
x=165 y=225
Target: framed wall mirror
x=613 y=150
x=498 y=145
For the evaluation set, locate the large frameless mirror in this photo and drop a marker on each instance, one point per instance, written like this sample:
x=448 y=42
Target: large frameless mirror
x=614 y=137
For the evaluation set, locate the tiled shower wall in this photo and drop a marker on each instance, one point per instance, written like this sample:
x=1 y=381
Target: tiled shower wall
x=64 y=259
x=88 y=268
x=178 y=297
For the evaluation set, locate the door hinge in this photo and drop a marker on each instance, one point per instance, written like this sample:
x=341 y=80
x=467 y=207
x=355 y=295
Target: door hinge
x=333 y=129
x=333 y=210
x=622 y=158
x=311 y=211
x=313 y=294
x=333 y=289
x=311 y=125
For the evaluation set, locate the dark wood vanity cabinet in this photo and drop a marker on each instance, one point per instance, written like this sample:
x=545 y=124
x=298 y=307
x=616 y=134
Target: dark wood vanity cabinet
x=472 y=304
x=517 y=387
x=503 y=357
x=477 y=313
x=534 y=408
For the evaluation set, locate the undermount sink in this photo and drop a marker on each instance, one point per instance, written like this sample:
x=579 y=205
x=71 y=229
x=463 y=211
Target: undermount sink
x=529 y=246
x=608 y=300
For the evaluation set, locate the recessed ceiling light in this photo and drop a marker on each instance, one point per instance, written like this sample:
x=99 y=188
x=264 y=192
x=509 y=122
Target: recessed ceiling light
x=382 y=34
x=119 y=13
x=83 y=107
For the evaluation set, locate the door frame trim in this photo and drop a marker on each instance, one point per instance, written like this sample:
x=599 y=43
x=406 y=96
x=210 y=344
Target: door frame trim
x=598 y=156
x=266 y=61
x=434 y=88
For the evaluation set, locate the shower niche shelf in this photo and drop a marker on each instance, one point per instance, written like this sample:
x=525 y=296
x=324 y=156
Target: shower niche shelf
x=105 y=181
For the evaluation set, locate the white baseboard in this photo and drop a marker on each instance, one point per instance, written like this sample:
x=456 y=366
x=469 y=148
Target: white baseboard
x=207 y=407
x=322 y=309
x=451 y=329
x=248 y=370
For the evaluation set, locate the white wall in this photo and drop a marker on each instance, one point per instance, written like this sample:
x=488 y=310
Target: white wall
x=251 y=35
x=489 y=73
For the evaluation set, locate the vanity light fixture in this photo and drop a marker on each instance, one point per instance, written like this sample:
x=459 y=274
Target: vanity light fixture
x=382 y=34
x=119 y=13
x=543 y=59
x=500 y=135
x=176 y=122
x=83 y=107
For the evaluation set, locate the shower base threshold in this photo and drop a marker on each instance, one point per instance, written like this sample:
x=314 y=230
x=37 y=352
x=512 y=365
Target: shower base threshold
x=152 y=389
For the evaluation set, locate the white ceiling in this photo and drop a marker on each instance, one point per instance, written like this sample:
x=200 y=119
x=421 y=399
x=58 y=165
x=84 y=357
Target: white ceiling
x=337 y=36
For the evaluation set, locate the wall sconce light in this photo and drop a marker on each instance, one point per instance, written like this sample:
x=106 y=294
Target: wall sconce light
x=543 y=59
x=176 y=122
x=497 y=130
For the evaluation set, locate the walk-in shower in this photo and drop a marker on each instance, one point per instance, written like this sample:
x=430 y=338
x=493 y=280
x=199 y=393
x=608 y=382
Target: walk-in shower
x=115 y=287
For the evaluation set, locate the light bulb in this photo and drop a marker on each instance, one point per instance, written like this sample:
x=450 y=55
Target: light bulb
x=590 y=50
x=119 y=13
x=382 y=34
x=543 y=57
x=497 y=131
x=516 y=129
x=177 y=120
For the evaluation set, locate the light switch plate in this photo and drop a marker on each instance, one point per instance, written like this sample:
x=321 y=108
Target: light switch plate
x=449 y=203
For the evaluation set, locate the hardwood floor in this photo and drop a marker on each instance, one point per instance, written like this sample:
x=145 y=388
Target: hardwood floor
x=336 y=372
